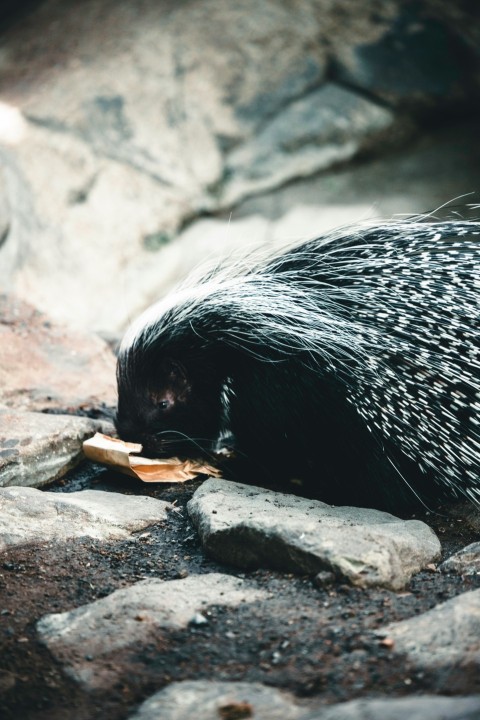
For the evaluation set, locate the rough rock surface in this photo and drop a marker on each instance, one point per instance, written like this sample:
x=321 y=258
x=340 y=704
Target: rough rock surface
x=252 y=527
x=121 y=124
x=442 y=638
x=84 y=638
x=28 y=515
x=36 y=448
x=206 y=700
x=48 y=366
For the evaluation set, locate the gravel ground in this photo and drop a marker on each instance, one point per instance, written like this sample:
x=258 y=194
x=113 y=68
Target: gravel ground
x=315 y=641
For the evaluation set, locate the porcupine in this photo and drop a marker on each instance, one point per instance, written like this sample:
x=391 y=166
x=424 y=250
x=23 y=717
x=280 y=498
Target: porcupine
x=351 y=361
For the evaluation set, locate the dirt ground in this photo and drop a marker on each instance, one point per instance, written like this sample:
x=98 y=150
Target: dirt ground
x=316 y=641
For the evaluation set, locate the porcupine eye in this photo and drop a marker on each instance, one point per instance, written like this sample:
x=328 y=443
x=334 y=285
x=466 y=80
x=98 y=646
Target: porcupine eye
x=163 y=401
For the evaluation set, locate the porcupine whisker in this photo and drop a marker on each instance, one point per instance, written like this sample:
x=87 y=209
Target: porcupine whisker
x=412 y=489
x=187 y=439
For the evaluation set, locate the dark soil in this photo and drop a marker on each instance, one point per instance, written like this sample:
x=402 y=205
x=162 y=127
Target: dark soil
x=315 y=641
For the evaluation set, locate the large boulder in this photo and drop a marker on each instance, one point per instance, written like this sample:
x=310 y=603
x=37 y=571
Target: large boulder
x=121 y=126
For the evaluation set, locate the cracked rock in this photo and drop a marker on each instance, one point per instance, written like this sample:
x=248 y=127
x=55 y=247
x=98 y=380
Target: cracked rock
x=36 y=448
x=252 y=527
x=134 y=616
x=28 y=515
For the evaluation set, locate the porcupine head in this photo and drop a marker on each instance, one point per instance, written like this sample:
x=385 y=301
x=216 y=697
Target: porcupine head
x=169 y=387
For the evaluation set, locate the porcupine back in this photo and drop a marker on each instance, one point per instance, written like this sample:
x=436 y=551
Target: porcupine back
x=424 y=393
x=361 y=342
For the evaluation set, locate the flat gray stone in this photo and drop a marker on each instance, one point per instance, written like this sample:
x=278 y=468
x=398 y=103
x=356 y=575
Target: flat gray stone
x=464 y=562
x=36 y=448
x=28 y=515
x=134 y=616
x=252 y=527
x=426 y=707
x=442 y=637
x=204 y=700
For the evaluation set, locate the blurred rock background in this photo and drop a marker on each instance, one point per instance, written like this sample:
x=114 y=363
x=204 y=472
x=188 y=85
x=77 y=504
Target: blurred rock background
x=143 y=137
